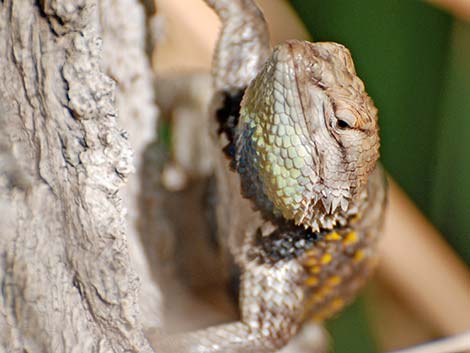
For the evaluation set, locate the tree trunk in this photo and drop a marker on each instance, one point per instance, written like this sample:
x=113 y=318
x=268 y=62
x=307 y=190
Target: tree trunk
x=67 y=257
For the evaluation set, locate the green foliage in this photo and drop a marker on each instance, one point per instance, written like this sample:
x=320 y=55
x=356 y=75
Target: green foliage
x=451 y=189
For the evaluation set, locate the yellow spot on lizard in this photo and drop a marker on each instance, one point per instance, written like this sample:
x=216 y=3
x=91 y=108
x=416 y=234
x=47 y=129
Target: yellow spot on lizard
x=336 y=304
x=326 y=259
x=311 y=281
x=333 y=236
x=315 y=269
x=334 y=280
x=350 y=239
x=359 y=255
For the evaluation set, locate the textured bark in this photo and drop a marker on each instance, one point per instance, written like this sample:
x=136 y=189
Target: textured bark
x=65 y=270
x=122 y=25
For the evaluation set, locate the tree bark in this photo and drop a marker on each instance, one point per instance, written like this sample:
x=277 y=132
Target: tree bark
x=67 y=279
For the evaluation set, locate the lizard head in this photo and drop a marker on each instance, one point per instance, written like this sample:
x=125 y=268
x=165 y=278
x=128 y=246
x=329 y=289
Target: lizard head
x=307 y=137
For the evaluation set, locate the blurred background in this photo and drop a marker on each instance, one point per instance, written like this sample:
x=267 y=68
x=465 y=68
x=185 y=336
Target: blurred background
x=414 y=58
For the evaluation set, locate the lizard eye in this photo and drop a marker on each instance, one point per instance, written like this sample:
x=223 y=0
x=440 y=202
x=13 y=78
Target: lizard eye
x=343 y=124
x=345 y=121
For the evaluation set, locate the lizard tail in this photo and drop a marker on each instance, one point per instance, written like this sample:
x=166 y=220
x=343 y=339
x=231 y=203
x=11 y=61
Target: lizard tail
x=243 y=45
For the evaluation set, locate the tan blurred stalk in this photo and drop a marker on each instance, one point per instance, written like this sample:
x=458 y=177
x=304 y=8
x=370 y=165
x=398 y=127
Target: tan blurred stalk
x=387 y=315
x=419 y=265
x=458 y=8
x=456 y=344
x=425 y=274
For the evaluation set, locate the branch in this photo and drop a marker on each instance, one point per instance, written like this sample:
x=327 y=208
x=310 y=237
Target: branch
x=455 y=344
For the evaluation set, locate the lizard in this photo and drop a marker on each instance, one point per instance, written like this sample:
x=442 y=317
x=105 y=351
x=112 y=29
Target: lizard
x=299 y=142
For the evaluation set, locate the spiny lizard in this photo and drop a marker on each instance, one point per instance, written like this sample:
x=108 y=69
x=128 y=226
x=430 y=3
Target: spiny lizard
x=302 y=141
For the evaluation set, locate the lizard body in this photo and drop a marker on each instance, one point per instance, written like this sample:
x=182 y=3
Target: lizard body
x=302 y=139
